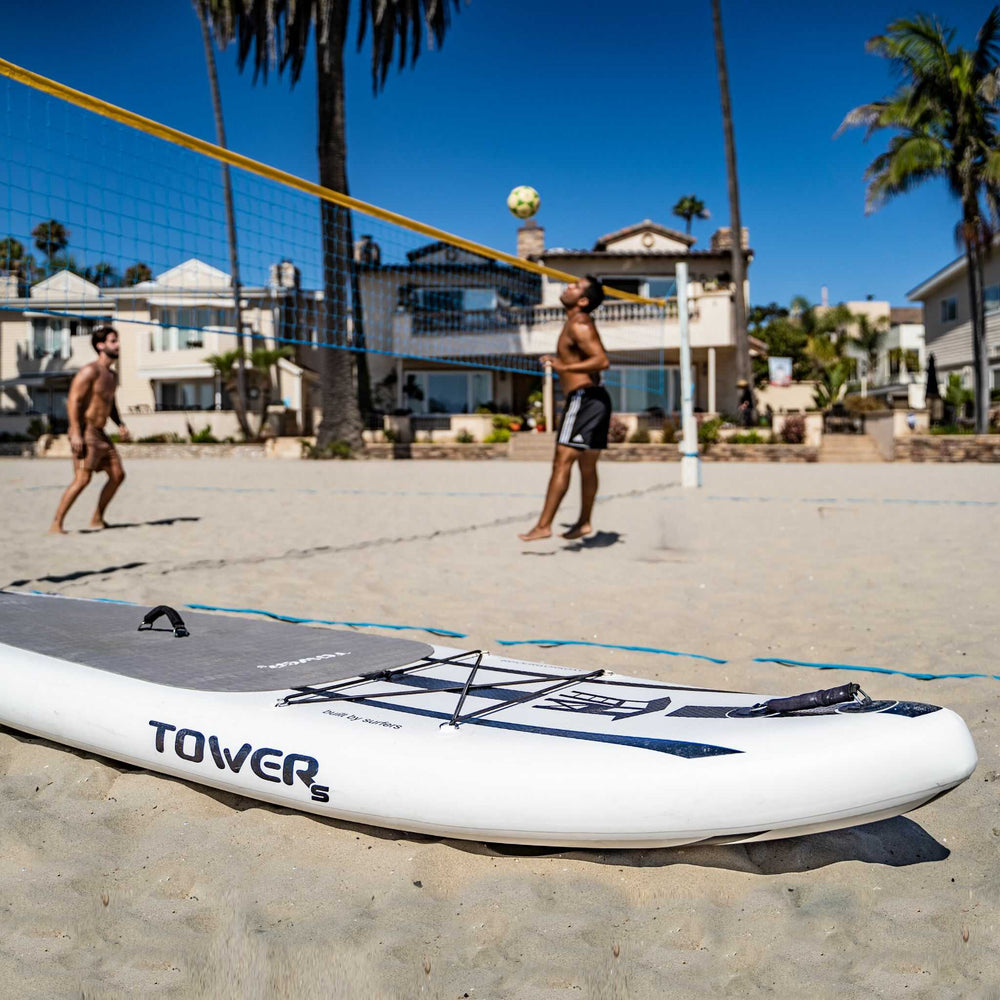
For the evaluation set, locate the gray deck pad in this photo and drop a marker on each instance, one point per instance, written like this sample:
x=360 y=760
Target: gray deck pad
x=221 y=653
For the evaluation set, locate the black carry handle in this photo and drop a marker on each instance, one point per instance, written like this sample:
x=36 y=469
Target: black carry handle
x=814 y=699
x=176 y=622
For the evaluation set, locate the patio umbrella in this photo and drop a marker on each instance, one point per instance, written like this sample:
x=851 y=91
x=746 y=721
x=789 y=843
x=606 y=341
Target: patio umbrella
x=932 y=391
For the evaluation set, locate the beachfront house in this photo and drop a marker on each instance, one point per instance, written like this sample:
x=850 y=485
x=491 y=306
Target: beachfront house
x=947 y=318
x=898 y=374
x=643 y=344
x=168 y=326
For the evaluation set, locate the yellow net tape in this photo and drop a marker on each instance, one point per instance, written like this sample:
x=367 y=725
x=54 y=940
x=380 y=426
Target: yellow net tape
x=178 y=138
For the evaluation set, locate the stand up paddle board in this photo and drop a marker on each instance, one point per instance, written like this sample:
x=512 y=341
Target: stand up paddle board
x=461 y=743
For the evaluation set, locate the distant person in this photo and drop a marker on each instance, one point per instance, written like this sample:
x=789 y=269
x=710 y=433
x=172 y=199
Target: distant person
x=91 y=401
x=745 y=406
x=583 y=431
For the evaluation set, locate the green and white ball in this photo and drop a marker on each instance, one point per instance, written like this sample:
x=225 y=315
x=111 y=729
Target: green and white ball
x=523 y=201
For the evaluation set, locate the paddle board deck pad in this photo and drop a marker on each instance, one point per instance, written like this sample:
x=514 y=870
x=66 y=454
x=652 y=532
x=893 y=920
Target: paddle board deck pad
x=460 y=743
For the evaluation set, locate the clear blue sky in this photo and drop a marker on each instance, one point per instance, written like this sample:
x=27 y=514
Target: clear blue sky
x=612 y=113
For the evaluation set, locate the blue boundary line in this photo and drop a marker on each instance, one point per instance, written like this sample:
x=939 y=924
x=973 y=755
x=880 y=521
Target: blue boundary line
x=324 y=621
x=550 y=643
x=870 y=670
x=604 y=645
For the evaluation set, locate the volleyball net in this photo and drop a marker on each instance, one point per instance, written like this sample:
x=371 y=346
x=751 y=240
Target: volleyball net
x=108 y=216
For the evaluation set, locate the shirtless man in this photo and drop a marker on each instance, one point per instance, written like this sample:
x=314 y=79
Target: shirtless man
x=583 y=431
x=91 y=401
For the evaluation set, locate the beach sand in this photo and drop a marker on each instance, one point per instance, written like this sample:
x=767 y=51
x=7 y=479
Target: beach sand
x=115 y=882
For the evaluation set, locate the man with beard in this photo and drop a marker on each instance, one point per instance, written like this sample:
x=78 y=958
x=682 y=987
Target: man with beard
x=583 y=431
x=91 y=401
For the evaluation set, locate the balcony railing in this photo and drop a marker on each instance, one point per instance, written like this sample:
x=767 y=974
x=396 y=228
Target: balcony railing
x=437 y=322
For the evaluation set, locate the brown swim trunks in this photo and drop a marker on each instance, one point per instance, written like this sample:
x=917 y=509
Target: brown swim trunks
x=99 y=452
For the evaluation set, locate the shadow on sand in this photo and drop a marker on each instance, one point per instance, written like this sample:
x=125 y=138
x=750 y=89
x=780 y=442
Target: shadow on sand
x=598 y=540
x=897 y=842
x=163 y=521
x=77 y=575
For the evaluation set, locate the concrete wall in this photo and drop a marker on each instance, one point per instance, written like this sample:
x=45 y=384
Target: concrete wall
x=879 y=427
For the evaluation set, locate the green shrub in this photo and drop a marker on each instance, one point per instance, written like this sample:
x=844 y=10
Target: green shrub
x=669 y=433
x=952 y=429
x=863 y=404
x=749 y=437
x=391 y=434
x=204 y=436
x=708 y=431
x=641 y=436
x=335 y=449
x=464 y=437
x=498 y=435
x=170 y=437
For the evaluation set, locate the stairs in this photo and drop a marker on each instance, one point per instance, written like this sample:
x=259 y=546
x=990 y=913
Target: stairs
x=528 y=446
x=849 y=448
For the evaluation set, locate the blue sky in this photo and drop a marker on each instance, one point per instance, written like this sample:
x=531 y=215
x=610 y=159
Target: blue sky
x=611 y=113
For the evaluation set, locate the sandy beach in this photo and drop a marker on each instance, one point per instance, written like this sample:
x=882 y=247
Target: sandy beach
x=116 y=882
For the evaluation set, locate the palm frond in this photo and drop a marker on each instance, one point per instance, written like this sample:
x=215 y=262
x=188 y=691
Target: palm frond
x=398 y=26
x=909 y=161
x=918 y=46
x=987 y=52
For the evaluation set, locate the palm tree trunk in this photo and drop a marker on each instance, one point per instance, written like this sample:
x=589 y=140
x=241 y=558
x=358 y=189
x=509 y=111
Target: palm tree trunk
x=220 y=132
x=977 y=312
x=738 y=265
x=341 y=419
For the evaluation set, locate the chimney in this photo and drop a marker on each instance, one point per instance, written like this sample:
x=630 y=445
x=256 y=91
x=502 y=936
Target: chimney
x=284 y=275
x=8 y=285
x=824 y=297
x=722 y=239
x=530 y=240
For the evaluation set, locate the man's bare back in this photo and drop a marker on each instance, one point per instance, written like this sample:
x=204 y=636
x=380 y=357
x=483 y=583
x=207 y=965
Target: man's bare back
x=90 y=403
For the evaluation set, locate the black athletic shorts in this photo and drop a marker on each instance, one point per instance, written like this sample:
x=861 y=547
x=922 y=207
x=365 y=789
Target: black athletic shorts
x=586 y=418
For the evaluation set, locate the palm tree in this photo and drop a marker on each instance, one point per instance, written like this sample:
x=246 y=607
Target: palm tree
x=51 y=238
x=690 y=207
x=738 y=261
x=11 y=254
x=226 y=365
x=277 y=34
x=201 y=8
x=137 y=273
x=262 y=360
x=102 y=274
x=870 y=338
x=944 y=114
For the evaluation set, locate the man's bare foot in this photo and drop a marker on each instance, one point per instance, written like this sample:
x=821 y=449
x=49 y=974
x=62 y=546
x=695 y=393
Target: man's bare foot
x=578 y=531
x=536 y=534
x=57 y=529
x=98 y=522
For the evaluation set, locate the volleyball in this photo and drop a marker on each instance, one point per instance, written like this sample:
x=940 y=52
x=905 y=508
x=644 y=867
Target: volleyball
x=523 y=201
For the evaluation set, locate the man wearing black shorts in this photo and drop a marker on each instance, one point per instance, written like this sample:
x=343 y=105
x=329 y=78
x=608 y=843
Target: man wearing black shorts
x=583 y=431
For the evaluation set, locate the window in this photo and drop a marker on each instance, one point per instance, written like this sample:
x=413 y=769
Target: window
x=446 y=392
x=634 y=389
x=949 y=309
x=196 y=394
x=50 y=338
x=455 y=299
x=652 y=288
x=991 y=295
x=995 y=380
x=183 y=329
